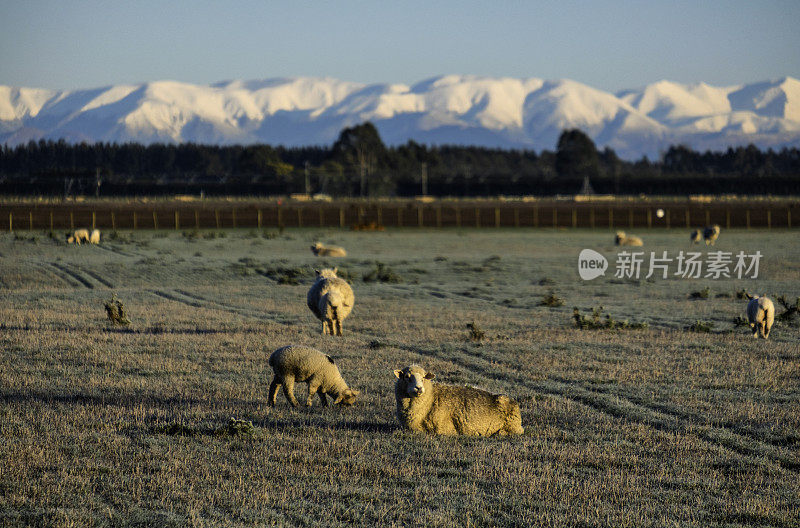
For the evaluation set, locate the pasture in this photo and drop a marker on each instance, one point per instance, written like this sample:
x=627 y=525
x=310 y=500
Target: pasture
x=165 y=422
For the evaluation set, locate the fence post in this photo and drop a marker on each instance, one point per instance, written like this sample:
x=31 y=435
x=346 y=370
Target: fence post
x=419 y=216
x=555 y=217
x=51 y=219
x=649 y=218
x=94 y=220
x=536 y=215
x=630 y=218
x=177 y=220
x=439 y=216
x=30 y=220
x=688 y=220
x=727 y=218
x=216 y=217
x=611 y=218
x=233 y=217
x=497 y=217
x=769 y=218
x=113 y=221
x=667 y=217
x=299 y=217
x=516 y=217
x=789 y=217
x=399 y=216
x=708 y=217
x=360 y=214
x=134 y=220
x=197 y=219
x=477 y=217
x=71 y=220
x=341 y=216
x=380 y=215
x=458 y=216
x=10 y=222
x=591 y=217
x=258 y=216
x=155 y=220
x=747 y=218
x=574 y=218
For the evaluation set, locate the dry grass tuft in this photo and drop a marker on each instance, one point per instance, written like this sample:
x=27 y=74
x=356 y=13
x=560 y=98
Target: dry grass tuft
x=115 y=311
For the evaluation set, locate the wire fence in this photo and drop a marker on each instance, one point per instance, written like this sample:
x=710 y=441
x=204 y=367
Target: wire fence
x=359 y=215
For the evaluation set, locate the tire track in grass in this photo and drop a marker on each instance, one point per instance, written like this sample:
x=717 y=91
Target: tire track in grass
x=613 y=405
x=96 y=276
x=78 y=275
x=196 y=301
x=116 y=251
x=55 y=272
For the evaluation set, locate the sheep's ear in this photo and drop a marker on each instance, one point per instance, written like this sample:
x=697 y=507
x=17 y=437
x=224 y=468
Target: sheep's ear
x=316 y=271
x=330 y=359
x=339 y=398
x=429 y=375
x=335 y=270
x=397 y=373
x=749 y=296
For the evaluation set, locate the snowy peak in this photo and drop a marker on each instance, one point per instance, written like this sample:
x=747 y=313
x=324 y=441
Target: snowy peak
x=458 y=109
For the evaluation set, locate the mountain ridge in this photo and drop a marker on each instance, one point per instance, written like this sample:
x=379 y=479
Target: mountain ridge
x=499 y=112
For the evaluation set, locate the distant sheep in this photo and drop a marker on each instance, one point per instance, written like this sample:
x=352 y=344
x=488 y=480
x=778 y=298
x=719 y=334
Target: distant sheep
x=295 y=363
x=426 y=406
x=94 y=237
x=624 y=240
x=696 y=236
x=78 y=236
x=331 y=300
x=761 y=315
x=328 y=251
x=710 y=234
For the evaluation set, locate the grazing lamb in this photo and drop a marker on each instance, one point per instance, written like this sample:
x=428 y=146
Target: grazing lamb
x=696 y=236
x=761 y=314
x=94 y=238
x=296 y=363
x=331 y=299
x=710 y=234
x=623 y=240
x=328 y=251
x=78 y=236
x=423 y=405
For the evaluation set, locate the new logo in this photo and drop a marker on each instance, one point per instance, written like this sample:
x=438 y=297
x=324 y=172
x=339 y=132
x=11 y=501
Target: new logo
x=591 y=264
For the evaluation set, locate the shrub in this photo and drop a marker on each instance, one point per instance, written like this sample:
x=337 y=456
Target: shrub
x=598 y=322
x=115 y=311
x=551 y=300
x=475 y=332
x=381 y=273
x=702 y=294
x=238 y=428
x=700 y=326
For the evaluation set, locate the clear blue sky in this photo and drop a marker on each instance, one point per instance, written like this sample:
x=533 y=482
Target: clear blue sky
x=607 y=44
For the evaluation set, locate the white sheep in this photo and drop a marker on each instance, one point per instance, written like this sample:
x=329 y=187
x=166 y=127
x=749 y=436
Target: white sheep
x=627 y=240
x=696 y=236
x=296 y=363
x=78 y=236
x=710 y=234
x=424 y=405
x=328 y=251
x=331 y=300
x=761 y=314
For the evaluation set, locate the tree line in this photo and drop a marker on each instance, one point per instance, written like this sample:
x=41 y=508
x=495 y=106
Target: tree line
x=358 y=164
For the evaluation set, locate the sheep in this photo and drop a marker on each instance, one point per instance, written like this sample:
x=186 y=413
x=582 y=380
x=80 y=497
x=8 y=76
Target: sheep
x=710 y=234
x=78 y=236
x=328 y=251
x=623 y=240
x=94 y=237
x=331 y=300
x=296 y=363
x=424 y=405
x=696 y=236
x=761 y=314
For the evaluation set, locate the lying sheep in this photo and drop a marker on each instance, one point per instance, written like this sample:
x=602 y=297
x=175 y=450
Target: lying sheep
x=696 y=236
x=710 y=234
x=94 y=238
x=331 y=299
x=423 y=405
x=296 y=363
x=328 y=251
x=761 y=314
x=623 y=240
x=78 y=236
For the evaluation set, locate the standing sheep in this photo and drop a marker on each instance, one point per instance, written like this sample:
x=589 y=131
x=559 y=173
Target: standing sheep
x=328 y=251
x=296 y=363
x=696 y=236
x=331 y=299
x=423 y=405
x=78 y=236
x=710 y=234
x=623 y=240
x=94 y=238
x=761 y=314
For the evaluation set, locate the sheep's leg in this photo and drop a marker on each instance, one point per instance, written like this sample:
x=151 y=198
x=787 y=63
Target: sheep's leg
x=761 y=330
x=766 y=331
x=326 y=327
x=754 y=328
x=338 y=326
x=273 y=392
x=288 y=390
x=323 y=398
x=313 y=387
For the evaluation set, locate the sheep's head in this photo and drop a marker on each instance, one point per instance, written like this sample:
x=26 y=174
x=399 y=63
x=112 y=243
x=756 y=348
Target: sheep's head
x=619 y=237
x=347 y=397
x=326 y=273
x=316 y=247
x=411 y=380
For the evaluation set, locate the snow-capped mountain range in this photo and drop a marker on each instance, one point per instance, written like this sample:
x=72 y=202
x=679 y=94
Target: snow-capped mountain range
x=453 y=109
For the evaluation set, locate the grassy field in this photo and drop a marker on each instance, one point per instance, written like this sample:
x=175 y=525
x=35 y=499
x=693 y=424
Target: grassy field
x=660 y=426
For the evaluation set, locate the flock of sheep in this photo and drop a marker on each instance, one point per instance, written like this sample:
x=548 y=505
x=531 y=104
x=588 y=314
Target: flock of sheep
x=422 y=404
x=83 y=235
x=760 y=310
